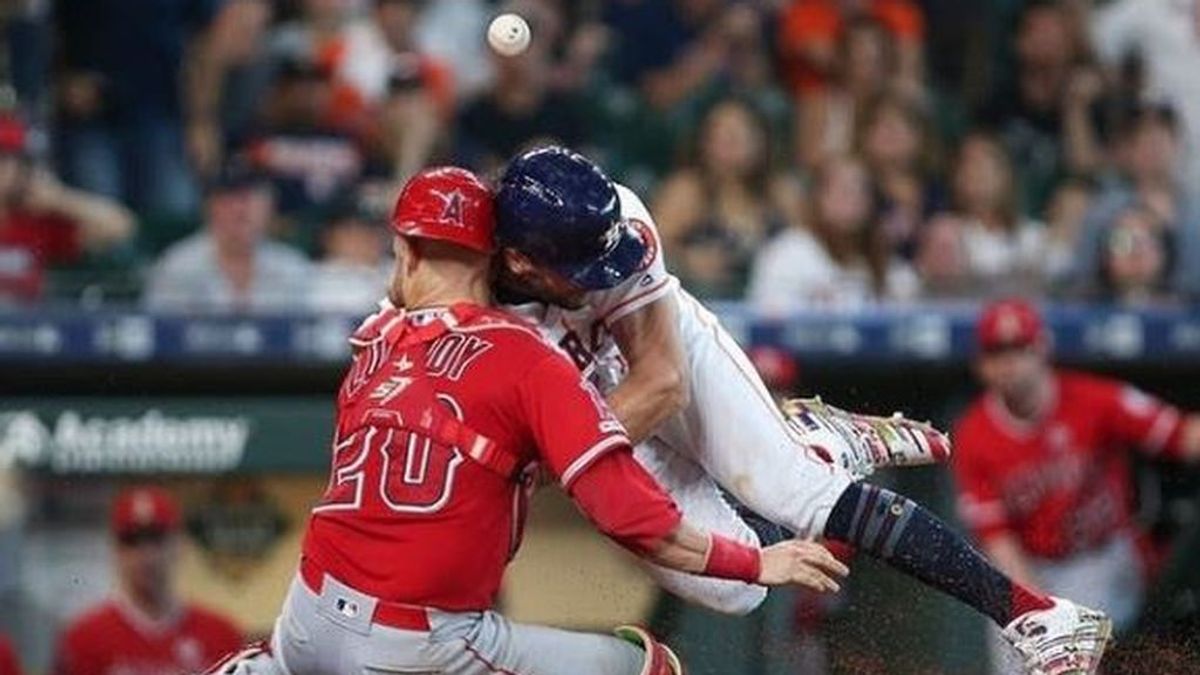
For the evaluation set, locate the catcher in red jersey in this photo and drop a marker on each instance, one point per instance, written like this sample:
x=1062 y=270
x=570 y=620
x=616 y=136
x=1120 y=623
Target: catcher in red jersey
x=1043 y=475
x=145 y=629
x=448 y=409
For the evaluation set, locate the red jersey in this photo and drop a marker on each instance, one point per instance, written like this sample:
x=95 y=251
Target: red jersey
x=28 y=244
x=116 y=639
x=412 y=518
x=8 y=658
x=1061 y=484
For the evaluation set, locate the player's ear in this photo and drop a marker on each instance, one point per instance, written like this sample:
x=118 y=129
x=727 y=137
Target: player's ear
x=406 y=254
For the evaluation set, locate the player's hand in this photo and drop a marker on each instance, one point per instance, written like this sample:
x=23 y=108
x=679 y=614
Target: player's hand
x=803 y=563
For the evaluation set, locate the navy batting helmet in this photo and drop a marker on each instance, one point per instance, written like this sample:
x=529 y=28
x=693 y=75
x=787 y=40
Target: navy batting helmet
x=559 y=208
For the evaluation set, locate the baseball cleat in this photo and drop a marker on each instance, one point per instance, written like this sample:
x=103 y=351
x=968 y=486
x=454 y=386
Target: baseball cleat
x=1066 y=639
x=872 y=442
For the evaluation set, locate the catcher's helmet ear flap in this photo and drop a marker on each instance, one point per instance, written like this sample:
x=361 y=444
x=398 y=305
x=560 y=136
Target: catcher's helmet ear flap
x=562 y=211
x=448 y=204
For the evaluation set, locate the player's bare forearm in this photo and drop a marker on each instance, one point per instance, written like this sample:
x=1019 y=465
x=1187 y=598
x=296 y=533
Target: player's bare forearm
x=656 y=386
x=1006 y=553
x=685 y=549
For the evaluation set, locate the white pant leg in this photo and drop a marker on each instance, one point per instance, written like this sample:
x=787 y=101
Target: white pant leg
x=734 y=429
x=701 y=502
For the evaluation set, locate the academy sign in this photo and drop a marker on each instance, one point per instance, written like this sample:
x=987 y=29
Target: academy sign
x=74 y=441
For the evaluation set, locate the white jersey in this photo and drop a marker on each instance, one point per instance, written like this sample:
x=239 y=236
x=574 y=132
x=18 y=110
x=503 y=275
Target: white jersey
x=731 y=435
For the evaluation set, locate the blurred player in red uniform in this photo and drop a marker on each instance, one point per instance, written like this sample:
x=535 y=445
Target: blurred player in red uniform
x=8 y=658
x=1044 y=480
x=447 y=409
x=146 y=628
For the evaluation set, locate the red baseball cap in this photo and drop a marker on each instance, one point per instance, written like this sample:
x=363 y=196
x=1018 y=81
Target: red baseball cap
x=1009 y=323
x=448 y=204
x=776 y=366
x=145 y=507
x=12 y=135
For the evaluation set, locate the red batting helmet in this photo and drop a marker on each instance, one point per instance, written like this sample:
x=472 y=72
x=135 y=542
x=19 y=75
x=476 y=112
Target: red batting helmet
x=448 y=204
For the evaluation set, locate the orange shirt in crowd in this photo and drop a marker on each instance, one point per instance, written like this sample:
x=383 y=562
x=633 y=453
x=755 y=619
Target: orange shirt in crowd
x=819 y=22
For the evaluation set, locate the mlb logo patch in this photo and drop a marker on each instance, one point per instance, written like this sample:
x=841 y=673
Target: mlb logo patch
x=347 y=608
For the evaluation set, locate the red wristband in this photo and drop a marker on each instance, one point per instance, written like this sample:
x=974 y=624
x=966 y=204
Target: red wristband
x=728 y=559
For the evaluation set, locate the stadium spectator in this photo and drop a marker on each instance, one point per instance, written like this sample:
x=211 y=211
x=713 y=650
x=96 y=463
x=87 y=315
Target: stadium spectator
x=1147 y=149
x=409 y=94
x=865 y=69
x=1134 y=268
x=145 y=627
x=44 y=223
x=230 y=74
x=1065 y=216
x=717 y=210
x=449 y=32
x=373 y=48
x=1164 y=36
x=748 y=71
x=1047 y=116
x=355 y=266
x=841 y=259
x=230 y=266
x=894 y=138
x=1042 y=469
x=309 y=160
x=319 y=36
x=120 y=109
x=941 y=260
x=809 y=32
x=9 y=665
x=521 y=108
x=26 y=47
x=1006 y=252
x=667 y=50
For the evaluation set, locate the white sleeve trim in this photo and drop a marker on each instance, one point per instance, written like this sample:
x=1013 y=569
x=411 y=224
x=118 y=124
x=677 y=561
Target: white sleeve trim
x=591 y=455
x=633 y=304
x=1160 y=431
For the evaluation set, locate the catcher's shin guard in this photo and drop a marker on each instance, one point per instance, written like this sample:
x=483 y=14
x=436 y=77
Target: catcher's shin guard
x=660 y=660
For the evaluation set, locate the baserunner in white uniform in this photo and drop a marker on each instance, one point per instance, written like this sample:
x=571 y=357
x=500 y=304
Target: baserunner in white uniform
x=581 y=257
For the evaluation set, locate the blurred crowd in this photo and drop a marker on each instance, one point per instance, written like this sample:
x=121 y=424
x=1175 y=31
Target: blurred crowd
x=241 y=155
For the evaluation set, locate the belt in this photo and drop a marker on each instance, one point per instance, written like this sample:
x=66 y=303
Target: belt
x=390 y=614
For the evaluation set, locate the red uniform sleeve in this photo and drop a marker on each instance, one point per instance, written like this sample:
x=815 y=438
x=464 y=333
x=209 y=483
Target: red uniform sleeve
x=569 y=421
x=979 y=502
x=624 y=502
x=1141 y=420
x=8 y=658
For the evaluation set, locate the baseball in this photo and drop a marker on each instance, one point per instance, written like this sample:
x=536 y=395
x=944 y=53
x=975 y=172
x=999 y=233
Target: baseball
x=509 y=34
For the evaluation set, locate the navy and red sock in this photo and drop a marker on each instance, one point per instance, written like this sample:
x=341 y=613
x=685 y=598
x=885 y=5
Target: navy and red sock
x=911 y=539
